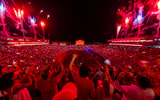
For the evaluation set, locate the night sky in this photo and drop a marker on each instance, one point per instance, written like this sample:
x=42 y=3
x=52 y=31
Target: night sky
x=90 y=20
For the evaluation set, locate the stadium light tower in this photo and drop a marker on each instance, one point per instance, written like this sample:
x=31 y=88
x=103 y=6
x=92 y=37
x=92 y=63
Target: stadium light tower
x=42 y=23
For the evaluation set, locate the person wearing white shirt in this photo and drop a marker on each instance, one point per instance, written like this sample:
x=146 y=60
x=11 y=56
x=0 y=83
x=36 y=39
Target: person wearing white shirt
x=140 y=91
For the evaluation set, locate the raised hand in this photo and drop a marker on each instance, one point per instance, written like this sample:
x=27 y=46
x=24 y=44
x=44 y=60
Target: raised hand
x=75 y=56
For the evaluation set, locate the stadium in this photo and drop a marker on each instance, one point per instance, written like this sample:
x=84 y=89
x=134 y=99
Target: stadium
x=124 y=67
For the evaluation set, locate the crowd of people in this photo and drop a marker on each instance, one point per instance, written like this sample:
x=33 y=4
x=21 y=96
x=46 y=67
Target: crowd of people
x=32 y=72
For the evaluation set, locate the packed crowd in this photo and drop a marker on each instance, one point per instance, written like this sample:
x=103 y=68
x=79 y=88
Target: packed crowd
x=32 y=72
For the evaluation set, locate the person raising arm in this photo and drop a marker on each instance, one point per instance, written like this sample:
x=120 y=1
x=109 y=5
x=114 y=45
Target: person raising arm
x=85 y=87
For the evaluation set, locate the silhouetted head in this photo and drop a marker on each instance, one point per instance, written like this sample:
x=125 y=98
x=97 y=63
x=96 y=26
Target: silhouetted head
x=1 y=69
x=45 y=74
x=83 y=71
x=143 y=82
x=6 y=81
x=157 y=60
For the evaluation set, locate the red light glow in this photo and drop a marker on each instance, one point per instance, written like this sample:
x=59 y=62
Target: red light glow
x=127 y=21
x=158 y=5
x=15 y=12
x=42 y=23
x=22 y=12
x=19 y=13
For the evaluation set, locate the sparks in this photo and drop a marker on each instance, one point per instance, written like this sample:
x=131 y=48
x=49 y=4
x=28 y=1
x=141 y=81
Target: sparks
x=33 y=20
x=2 y=8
